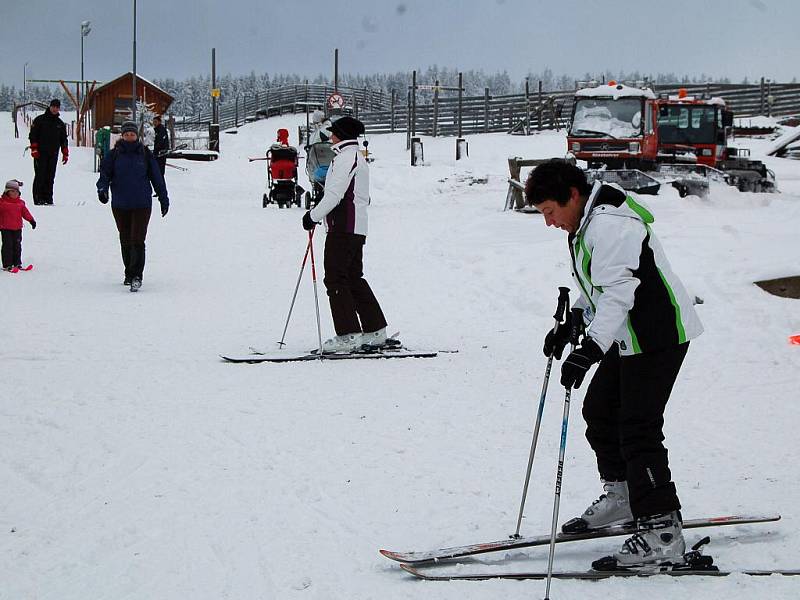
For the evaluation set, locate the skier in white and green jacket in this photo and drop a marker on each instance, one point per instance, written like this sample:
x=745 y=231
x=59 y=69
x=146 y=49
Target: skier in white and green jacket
x=639 y=321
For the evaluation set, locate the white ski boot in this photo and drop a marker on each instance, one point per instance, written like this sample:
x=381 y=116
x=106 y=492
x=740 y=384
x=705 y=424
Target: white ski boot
x=611 y=508
x=658 y=541
x=349 y=342
x=374 y=339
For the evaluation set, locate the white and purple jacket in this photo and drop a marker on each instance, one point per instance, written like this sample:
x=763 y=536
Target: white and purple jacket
x=344 y=203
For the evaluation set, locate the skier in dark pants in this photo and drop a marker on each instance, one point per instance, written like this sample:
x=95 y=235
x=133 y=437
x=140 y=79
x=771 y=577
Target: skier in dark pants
x=161 y=144
x=129 y=170
x=344 y=208
x=48 y=134
x=639 y=322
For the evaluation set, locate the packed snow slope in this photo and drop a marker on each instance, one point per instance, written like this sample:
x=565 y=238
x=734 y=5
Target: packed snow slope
x=135 y=464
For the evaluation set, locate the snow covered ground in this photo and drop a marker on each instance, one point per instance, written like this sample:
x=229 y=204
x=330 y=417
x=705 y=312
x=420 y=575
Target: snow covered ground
x=135 y=464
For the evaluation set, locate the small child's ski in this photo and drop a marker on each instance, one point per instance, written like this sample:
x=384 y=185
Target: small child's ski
x=18 y=269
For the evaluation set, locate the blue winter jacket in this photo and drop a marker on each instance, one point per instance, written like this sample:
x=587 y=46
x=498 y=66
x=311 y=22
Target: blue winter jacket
x=130 y=170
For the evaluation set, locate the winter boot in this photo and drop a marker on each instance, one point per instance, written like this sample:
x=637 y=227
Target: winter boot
x=136 y=283
x=374 y=339
x=657 y=541
x=611 y=508
x=348 y=342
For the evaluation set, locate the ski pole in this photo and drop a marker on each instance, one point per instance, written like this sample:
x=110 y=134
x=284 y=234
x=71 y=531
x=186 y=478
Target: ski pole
x=563 y=305
x=577 y=327
x=294 y=296
x=314 y=279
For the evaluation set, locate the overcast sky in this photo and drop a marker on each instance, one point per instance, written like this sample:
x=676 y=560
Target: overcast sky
x=733 y=38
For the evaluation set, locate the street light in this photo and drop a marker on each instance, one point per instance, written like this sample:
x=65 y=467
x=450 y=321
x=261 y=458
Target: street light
x=24 y=82
x=133 y=79
x=85 y=30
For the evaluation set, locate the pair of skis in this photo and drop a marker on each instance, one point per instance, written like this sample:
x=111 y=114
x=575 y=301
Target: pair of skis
x=416 y=563
x=391 y=349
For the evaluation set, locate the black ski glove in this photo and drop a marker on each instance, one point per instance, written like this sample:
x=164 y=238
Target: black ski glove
x=164 y=210
x=554 y=343
x=102 y=195
x=33 y=224
x=308 y=223
x=579 y=362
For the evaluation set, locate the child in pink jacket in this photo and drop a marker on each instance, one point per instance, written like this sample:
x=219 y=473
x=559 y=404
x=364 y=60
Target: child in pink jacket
x=12 y=211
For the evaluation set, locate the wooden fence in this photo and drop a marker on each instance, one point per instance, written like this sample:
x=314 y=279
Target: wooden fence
x=438 y=115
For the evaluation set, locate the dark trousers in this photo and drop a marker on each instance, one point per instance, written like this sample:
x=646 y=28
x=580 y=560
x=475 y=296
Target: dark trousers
x=162 y=164
x=44 y=169
x=624 y=413
x=132 y=227
x=12 y=247
x=349 y=293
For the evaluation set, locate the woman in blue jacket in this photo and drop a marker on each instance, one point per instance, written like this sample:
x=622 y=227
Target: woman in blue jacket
x=129 y=170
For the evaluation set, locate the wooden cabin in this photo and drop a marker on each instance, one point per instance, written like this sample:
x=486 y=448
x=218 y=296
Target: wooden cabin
x=111 y=102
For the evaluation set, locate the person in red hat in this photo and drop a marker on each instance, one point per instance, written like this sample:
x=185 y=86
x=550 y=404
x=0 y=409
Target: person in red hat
x=47 y=136
x=357 y=315
x=12 y=211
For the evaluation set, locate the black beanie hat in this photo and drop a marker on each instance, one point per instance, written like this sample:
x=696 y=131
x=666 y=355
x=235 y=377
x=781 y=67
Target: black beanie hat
x=55 y=102
x=347 y=128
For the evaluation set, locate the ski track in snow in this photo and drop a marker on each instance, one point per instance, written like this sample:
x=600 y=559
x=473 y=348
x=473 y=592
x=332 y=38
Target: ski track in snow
x=135 y=464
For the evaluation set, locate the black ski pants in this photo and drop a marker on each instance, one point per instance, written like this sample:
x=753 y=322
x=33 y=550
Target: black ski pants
x=624 y=413
x=12 y=247
x=44 y=169
x=132 y=227
x=349 y=294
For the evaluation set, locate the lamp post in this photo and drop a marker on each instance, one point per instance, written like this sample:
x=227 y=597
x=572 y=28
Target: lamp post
x=85 y=30
x=133 y=79
x=24 y=82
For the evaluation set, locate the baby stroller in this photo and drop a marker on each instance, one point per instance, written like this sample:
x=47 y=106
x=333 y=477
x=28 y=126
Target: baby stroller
x=318 y=159
x=282 y=162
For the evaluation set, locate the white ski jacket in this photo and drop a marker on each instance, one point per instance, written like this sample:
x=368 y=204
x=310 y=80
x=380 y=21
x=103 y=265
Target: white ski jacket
x=628 y=290
x=344 y=203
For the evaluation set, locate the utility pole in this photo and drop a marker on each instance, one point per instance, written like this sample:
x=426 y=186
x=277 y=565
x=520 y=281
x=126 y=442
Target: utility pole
x=133 y=79
x=24 y=82
x=336 y=70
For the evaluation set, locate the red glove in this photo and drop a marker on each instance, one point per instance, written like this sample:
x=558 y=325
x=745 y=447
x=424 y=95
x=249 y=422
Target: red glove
x=64 y=156
x=35 y=150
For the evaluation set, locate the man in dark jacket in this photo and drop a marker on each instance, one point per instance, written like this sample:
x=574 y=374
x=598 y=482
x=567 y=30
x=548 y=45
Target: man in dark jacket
x=48 y=134
x=161 y=145
x=130 y=170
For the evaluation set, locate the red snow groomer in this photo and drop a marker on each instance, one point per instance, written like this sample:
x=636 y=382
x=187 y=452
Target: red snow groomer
x=630 y=136
x=282 y=163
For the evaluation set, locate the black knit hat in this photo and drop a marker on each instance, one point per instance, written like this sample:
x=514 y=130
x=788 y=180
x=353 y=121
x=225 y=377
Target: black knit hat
x=55 y=102
x=347 y=128
x=129 y=126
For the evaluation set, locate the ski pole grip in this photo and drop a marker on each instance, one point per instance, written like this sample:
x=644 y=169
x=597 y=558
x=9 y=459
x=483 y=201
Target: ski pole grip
x=577 y=326
x=563 y=304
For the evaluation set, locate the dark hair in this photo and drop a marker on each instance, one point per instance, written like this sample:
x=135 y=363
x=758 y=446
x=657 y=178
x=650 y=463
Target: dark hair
x=552 y=181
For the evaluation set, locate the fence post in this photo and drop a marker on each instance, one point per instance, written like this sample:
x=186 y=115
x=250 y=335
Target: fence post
x=436 y=108
x=761 y=111
x=237 y=111
x=527 y=106
x=392 y=122
x=413 y=103
x=486 y=110
x=408 y=121
x=460 y=103
x=539 y=125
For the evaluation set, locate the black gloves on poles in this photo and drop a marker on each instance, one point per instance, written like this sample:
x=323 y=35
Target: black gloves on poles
x=308 y=223
x=554 y=343
x=579 y=362
x=102 y=195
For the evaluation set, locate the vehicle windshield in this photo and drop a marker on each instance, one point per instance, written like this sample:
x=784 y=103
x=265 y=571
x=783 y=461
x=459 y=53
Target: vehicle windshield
x=597 y=117
x=682 y=124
